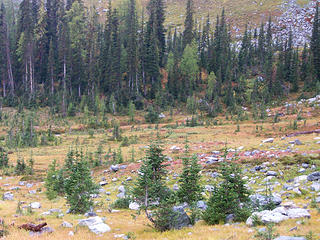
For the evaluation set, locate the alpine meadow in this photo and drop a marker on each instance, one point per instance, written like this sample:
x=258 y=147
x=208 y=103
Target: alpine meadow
x=154 y=119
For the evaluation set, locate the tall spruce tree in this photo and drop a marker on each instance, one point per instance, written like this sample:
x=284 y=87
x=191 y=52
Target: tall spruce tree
x=188 y=33
x=315 y=44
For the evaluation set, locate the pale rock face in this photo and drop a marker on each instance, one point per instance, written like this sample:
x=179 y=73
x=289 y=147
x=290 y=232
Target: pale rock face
x=134 y=206
x=289 y=238
x=8 y=196
x=95 y=224
x=268 y=140
x=35 y=205
x=279 y=214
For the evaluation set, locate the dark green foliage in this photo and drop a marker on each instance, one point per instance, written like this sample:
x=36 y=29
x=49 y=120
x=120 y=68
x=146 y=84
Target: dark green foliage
x=79 y=185
x=54 y=181
x=229 y=197
x=74 y=181
x=62 y=56
x=121 y=203
x=164 y=217
x=190 y=188
x=3 y=158
x=150 y=185
x=151 y=116
x=188 y=24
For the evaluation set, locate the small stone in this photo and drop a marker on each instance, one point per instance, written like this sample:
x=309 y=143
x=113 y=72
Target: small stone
x=115 y=168
x=66 y=224
x=314 y=176
x=268 y=140
x=7 y=196
x=293 y=229
x=35 y=205
x=103 y=183
x=134 y=206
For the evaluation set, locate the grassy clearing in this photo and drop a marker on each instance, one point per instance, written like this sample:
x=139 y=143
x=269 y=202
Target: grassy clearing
x=201 y=140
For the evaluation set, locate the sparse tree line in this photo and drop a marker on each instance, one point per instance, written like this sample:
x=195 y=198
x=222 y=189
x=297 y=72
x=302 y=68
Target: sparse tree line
x=229 y=196
x=56 y=53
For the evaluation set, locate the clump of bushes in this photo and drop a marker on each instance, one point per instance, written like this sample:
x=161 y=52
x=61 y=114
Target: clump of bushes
x=230 y=197
x=73 y=180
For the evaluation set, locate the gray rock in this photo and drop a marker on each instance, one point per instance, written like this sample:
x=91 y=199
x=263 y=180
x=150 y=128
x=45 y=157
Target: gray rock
x=103 y=183
x=272 y=173
x=315 y=186
x=43 y=230
x=297 y=142
x=7 y=196
x=209 y=188
x=29 y=185
x=134 y=206
x=129 y=179
x=279 y=214
x=314 y=176
x=300 y=178
x=121 y=195
x=175 y=187
x=123 y=167
x=115 y=168
x=202 y=205
x=230 y=218
x=90 y=214
x=289 y=238
x=121 y=189
x=71 y=233
x=293 y=229
x=268 y=140
x=66 y=224
x=298 y=213
x=181 y=219
x=305 y=165
x=95 y=224
x=262 y=200
x=35 y=205
x=161 y=115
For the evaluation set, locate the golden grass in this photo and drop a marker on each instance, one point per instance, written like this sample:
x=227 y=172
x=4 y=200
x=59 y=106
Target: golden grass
x=201 y=140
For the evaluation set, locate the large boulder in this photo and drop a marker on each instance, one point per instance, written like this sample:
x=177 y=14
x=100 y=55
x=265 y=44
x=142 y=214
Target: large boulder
x=262 y=200
x=181 y=219
x=7 y=196
x=66 y=224
x=95 y=224
x=315 y=186
x=115 y=168
x=35 y=205
x=266 y=216
x=298 y=213
x=314 y=176
x=134 y=206
x=279 y=214
x=202 y=205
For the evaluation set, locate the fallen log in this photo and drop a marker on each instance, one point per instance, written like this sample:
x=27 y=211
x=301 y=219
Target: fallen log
x=32 y=227
x=302 y=133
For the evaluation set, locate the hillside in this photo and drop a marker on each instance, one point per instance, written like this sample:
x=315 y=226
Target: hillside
x=238 y=12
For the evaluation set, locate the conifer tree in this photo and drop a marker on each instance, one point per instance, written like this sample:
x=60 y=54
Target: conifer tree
x=150 y=185
x=315 y=44
x=190 y=188
x=188 y=33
